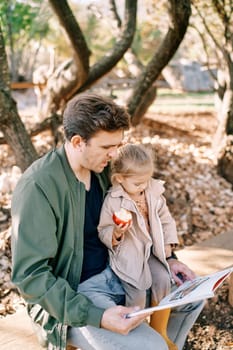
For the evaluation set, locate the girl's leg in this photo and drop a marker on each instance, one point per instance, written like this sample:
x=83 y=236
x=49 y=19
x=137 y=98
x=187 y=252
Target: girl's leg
x=161 y=280
x=161 y=285
x=133 y=296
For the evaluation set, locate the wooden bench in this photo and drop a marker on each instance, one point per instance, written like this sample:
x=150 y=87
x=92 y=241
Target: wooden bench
x=16 y=333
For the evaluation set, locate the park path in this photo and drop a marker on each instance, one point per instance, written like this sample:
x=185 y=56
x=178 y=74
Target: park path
x=209 y=256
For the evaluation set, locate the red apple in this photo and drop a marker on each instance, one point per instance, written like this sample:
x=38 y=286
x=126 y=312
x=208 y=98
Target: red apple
x=122 y=216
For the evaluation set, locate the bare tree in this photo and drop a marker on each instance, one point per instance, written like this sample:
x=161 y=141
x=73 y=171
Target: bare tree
x=143 y=92
x=11 y=125
x=77 y=74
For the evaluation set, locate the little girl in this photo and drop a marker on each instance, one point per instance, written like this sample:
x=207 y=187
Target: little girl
x=138 y=251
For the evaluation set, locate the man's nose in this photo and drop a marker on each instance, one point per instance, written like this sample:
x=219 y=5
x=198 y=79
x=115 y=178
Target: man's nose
x=113 y=152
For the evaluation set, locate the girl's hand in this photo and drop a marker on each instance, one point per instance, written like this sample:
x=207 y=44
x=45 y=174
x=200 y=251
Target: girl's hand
x=180 y=271
x=118 y=233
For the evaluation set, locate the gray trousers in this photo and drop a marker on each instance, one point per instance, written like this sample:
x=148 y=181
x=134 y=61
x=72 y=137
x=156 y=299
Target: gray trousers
x=105 y=290
x=161 y=286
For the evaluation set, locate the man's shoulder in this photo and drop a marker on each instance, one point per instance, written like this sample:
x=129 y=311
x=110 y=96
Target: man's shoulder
x=46 y=171
x=48 y=163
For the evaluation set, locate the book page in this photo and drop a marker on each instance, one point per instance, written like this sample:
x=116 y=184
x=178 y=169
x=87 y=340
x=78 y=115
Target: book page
x=190 y=291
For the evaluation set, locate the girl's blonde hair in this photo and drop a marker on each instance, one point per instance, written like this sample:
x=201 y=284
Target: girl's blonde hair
x=132 y=160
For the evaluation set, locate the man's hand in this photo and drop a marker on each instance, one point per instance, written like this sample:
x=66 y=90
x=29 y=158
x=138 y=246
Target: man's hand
x=180 y=272
x=114 y=320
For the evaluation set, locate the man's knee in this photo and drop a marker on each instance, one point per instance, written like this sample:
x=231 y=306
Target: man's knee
x=158 y=344
x=154 y=341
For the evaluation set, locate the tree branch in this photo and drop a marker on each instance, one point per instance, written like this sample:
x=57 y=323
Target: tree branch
x=207 y=28
x=108 y=61
x=204 y=44
x=180 y=12
x=115 y=13
x=76 y=37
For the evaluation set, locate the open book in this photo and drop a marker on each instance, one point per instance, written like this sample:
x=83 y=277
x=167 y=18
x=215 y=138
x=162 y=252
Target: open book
x=190 y=291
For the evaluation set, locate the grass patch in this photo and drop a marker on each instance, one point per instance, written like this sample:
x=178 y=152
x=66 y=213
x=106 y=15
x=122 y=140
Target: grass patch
x=173 y=101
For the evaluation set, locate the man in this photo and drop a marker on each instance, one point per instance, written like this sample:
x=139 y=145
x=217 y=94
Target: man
x=56 y=252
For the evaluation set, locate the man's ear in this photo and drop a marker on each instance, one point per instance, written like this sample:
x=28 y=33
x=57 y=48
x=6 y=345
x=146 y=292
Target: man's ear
x=77 y=141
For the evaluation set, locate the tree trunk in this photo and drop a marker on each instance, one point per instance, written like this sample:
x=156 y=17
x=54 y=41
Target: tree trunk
x=71 y=74
x=14 y=132
x=225 y=116
x=123 y=43
x=223 y=139
x=11 y=125
x=220 y=89
x=225 y=161
x=71 y=26
x=180 y=12
x=145 y=103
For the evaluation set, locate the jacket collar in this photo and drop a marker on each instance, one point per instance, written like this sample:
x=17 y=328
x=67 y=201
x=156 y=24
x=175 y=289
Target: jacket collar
x=155 y=186
x=66 y=166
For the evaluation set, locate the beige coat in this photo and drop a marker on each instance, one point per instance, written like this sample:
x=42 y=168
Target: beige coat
x=129 y=260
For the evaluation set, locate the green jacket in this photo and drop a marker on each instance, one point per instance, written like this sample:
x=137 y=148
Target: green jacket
x=47 y=247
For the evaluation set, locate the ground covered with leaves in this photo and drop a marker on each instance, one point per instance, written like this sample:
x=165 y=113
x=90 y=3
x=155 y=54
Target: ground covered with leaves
x=200 y=200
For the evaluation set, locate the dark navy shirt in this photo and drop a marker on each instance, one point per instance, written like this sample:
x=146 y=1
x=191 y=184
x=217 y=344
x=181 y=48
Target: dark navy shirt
x=95 y=252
